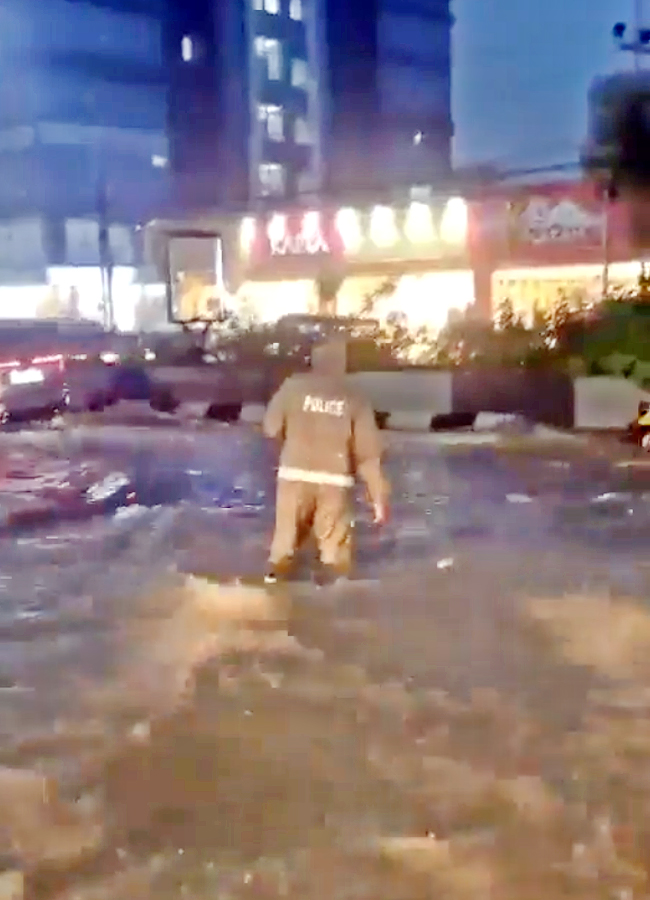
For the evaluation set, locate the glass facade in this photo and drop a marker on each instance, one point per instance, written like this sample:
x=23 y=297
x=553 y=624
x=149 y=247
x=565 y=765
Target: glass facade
x=83 y=110
x=245 y=112
x=284 y=78
x=339 y=97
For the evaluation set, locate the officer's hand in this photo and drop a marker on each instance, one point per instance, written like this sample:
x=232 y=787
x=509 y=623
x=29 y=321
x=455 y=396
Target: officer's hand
x=381 y=512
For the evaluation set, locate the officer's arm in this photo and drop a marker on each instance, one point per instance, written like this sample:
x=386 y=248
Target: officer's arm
x=276 y=414
x=367 y=452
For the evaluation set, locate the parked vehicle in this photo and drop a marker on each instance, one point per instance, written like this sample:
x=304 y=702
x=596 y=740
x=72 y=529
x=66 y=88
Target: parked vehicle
x=50 y=365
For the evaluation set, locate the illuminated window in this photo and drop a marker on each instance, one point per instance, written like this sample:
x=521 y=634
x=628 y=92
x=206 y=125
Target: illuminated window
x=307 y=182
x=299 y=73
x=187 y=49
x=272 y=7
x=270 y=50
x=302 y=133
x=383 y=232
x=273 y=116
x=295 y=10
x=421 y=193
x=271 y=179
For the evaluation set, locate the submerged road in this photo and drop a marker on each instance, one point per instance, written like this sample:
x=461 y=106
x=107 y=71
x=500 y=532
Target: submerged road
x=78 y=598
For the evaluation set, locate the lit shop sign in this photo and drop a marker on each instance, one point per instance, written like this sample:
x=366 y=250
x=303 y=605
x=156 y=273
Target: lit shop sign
x=418 y=229
x=281 y=235
x=309 y=239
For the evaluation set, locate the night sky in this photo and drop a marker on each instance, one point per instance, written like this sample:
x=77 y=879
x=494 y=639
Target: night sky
x=522 y=69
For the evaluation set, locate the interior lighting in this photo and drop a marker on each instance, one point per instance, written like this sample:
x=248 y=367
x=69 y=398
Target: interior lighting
x=418 y=226
x=187 y=48
x=383 y=231
x=277 y=228
x=311 y=225
x=247 y=234
x=349 y=229
x=453 y=227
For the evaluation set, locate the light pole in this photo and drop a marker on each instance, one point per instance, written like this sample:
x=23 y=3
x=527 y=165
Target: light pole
x=607 y=197
x=105 y=255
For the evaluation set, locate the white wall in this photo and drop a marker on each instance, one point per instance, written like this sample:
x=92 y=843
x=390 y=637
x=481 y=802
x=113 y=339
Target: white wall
x=606 y=403
x=419 y=391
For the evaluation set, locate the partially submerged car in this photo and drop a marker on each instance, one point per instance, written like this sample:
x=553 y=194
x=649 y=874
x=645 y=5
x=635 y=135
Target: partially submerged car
x=48 y=366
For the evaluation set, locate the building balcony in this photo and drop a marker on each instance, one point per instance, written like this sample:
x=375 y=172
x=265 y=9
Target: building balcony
x=276 y=93
x=280 y=27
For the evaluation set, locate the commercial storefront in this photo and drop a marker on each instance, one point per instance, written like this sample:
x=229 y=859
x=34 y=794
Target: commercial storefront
x=535 y=246
x=408 y=263
x=414 y=263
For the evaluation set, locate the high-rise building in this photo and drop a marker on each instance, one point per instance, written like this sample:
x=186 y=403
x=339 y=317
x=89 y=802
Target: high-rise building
x=287 y=98
x=389 y=92
x=83 y=146
x=246 y=117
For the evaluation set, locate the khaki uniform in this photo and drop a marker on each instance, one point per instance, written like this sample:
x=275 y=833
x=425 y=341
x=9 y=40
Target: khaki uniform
x=329 y=436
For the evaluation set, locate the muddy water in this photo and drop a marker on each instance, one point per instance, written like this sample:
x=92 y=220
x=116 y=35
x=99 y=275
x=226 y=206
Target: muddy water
x=76 y=601
x=206 y=506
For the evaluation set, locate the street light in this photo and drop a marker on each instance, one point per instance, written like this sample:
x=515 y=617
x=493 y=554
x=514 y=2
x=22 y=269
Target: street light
x=418 y=225
x=349 y=229
x=106 y=264
x=454 y=224
x=383 y=231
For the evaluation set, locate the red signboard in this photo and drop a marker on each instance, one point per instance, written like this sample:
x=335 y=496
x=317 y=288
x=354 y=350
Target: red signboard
x=302 y=234
x=549 y=225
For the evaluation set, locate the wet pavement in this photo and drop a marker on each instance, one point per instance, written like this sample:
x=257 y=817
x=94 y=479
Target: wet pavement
x=76 y=598
x=207 y=499
x=219 y=485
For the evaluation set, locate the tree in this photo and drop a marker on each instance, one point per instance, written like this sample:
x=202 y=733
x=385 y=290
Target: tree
x=540 y=319
x=561 y=311
x=505 y=318
x=372 y=298
x=619 y=327
x=644 y=285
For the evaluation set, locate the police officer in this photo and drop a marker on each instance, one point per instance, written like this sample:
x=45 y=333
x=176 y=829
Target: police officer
x=329 y=436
